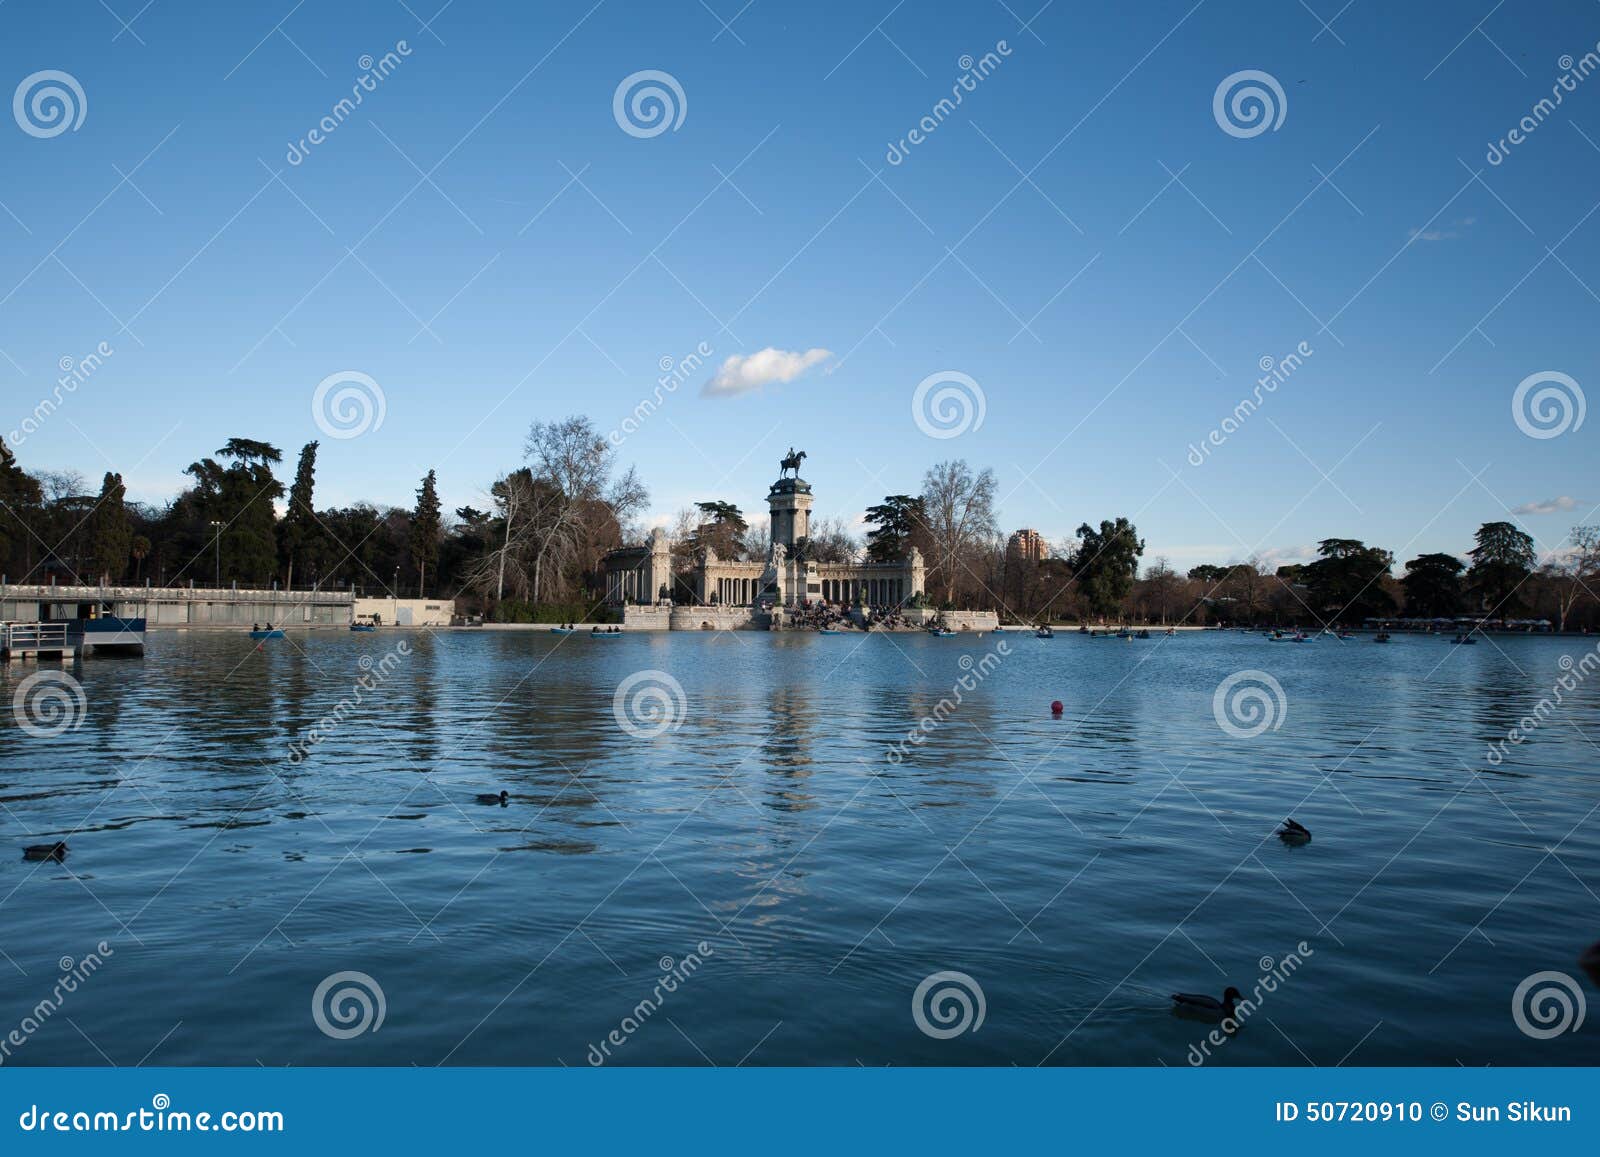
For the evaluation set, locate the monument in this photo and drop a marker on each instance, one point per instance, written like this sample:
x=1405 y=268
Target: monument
x=760 y=592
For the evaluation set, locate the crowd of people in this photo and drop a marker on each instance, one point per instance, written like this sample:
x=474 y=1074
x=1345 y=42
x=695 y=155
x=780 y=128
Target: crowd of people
x=819 y=616
x=833 y=616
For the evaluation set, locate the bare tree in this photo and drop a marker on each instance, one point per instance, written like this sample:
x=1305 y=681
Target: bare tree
x=757 y=542
x=831 y=541
x=1161 y=586
x=572 y=463
x=513 y=496
x=958 y=506
x=1577 y=576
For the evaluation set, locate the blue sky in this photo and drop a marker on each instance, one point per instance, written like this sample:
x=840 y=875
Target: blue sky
x=550 y=260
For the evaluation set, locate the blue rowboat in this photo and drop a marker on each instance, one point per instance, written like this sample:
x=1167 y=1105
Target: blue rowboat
x=363 y=626
x=561 y=630
x=829 y=631
x=273 y=634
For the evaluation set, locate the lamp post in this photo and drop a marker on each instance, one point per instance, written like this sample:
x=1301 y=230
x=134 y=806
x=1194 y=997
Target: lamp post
x=217 y=530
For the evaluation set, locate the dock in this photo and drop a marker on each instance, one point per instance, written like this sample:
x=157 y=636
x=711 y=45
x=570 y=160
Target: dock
x=24 y=641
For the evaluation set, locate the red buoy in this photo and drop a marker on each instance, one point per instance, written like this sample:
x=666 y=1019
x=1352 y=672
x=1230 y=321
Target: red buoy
x=1056 y=708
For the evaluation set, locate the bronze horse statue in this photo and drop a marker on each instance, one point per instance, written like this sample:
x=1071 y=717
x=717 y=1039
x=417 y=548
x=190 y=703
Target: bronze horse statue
x=792 y=462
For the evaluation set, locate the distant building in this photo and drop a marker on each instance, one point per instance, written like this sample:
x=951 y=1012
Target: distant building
x=1027 y=544
x=787 y=577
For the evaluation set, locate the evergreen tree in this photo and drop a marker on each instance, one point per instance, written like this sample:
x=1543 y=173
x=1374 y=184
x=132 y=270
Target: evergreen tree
x=1501 y=563
x=21 y=498
x=110 y=532
x=425 y=530
x=900 y=520
x=1105 y=563
x=239 y=497
x=139 y=550
x=300 y=536
x=1347 y=581
x=1432 y=584
x=722 y=528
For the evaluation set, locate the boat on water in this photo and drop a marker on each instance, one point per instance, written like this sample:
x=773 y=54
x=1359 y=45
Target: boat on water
x=1044 y=633
x=561 y=630
x=605 y=634
x=363 y=627
x=1381 y=637
x=1143 y=634
x=1464 y=639
x=275 y=633
x=829 y=631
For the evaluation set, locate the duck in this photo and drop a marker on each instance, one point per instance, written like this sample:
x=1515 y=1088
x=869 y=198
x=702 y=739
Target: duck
x=1294 y=833
x=502 y=799
x=1202 y=1007
x=56 y=851
x=1590 y=962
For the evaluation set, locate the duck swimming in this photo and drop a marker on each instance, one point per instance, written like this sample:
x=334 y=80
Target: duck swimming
x=486 y=798
x=1202 y=1007
x=1294 y=833
x=57 y=852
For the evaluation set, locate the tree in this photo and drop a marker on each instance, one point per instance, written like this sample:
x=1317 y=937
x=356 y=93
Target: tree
x=513 y=496
x=900 y=520
x=239 y=497
x=110 y=533
x=1346 y=582
x=20 y=497
x=140 y=550
x=300 y=534
x=958 y=512
x=1105 y=562
x=1577 y=576
x=1501 y=563
x=1432 y=584
x=1161 y=586
x=572 y=462
x=721 y=528
x=1245 y=583
x=757 y=541
x=831 y=541
x=425 y=523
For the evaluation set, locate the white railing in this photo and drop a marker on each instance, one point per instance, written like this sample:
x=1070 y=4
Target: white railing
x=33 y=636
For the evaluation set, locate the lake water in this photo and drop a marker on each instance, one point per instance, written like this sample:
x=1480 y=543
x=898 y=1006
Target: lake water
x=797 y=866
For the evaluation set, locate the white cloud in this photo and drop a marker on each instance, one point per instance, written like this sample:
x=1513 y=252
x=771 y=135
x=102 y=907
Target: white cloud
x=740 y=375
x=1287 y=556
x=1442 y=234
x=1548 y=506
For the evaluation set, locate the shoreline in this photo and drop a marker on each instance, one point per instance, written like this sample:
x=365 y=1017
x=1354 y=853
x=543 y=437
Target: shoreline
x=1061 y=629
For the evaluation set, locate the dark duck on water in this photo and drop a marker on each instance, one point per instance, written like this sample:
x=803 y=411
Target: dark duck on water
x=1294 y=834
x=1198 y=1006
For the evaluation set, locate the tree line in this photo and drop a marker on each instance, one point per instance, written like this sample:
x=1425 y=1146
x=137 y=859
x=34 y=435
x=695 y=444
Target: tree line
x=537 y=551
x=1499 y=579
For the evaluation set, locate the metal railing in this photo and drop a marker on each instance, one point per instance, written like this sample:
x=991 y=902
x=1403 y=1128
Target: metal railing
x=33 y=637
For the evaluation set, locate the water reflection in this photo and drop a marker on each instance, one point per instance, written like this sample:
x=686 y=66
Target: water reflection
x=803 y=818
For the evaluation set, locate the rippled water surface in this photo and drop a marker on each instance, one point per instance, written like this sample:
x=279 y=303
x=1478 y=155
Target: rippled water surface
x=1077 y=869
